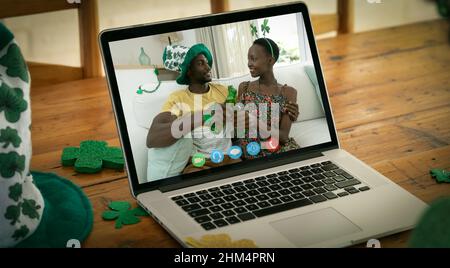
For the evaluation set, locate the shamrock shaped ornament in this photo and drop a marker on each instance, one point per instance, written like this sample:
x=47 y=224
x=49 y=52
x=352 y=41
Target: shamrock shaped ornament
x=440 y=175
x=92 y=156
x=120 y=211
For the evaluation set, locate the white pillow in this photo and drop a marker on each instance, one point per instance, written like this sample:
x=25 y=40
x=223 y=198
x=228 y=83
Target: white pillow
x=169 y=161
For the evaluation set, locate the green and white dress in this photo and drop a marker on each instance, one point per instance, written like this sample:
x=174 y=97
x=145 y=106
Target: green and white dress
x=21 y=203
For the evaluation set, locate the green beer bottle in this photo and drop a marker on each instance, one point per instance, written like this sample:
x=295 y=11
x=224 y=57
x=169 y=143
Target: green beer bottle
x=232 y=94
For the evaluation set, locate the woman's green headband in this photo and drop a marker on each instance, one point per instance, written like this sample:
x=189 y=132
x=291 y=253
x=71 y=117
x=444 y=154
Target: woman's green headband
x=271 y=49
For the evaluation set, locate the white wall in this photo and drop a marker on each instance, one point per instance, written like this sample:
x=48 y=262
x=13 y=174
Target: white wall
x=390 y=13
x=127 y=52
x=314 y=6
x=53 y=37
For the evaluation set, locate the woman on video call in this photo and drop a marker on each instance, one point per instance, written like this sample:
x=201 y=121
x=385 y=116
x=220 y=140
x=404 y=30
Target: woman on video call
x=262 y=56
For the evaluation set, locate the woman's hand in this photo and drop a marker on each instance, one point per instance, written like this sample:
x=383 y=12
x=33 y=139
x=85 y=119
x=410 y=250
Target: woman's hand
x=292 y=110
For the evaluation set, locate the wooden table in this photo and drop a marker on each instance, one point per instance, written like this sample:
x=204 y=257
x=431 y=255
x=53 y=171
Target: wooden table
x=390 y=91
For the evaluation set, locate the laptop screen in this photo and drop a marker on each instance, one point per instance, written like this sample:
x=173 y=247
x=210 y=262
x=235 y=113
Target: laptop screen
x=209 y=97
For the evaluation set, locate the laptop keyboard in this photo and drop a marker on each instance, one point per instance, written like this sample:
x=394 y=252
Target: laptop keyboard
x=258 y=197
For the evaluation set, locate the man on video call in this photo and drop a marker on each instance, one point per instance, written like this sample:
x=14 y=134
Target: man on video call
x=194 y=65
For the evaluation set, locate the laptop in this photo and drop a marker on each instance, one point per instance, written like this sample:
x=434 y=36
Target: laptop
x=302 y=192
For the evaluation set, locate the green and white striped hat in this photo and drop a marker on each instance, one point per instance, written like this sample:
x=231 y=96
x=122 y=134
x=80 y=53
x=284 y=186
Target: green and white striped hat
x=36 y=209
x=178 y=58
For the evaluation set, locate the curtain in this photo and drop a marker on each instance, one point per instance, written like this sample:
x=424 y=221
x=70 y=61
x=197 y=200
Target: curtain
x=230 y=44
x=204 y=35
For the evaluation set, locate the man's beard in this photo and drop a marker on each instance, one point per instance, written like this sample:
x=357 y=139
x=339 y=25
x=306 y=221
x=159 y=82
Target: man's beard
x=205 y=80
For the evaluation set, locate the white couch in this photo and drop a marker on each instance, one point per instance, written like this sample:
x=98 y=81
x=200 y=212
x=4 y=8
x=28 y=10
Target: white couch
x=140 y=109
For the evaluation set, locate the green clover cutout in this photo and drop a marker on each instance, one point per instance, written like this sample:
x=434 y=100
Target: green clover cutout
x=10 y=136
x=15 y=192
x=10 y=163
x=30 y=208
x=440 y=175
x=254 y=30
x=265 y=27
x=15 y=64
x=120 y=211
x=13 y=213
x=92 y=156
x=21 y=233
x=12 y=102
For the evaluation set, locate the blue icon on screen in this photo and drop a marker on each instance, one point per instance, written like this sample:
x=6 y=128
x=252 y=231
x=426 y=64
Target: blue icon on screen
x=235 y=152
x=253 y=148
x=216 y=156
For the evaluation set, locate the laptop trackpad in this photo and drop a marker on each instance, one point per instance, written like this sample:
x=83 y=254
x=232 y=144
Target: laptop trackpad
x=315 y=227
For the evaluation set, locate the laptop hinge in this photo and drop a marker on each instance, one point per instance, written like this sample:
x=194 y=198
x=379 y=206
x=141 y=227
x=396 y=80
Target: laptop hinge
x=241 y=171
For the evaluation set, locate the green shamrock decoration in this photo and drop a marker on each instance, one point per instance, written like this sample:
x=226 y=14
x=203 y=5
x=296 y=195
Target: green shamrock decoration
x=265 y=27
x=254 y=30
x=120 y=211
x=15 y=64
x=92 y=156
x=20 y=233
x=10 y=163
x=10 y=136
x=15 y=192
x=440 y=175
x=12 y=102
x=30 y=208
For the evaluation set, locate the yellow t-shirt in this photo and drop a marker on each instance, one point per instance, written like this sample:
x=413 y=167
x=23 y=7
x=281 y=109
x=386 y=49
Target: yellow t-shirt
x=184 y=101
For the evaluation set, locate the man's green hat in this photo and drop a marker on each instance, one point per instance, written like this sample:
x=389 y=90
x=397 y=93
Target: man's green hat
x=178 y=58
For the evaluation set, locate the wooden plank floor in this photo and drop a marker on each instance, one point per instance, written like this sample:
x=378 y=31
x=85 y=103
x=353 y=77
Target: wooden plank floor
x=389 y=89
